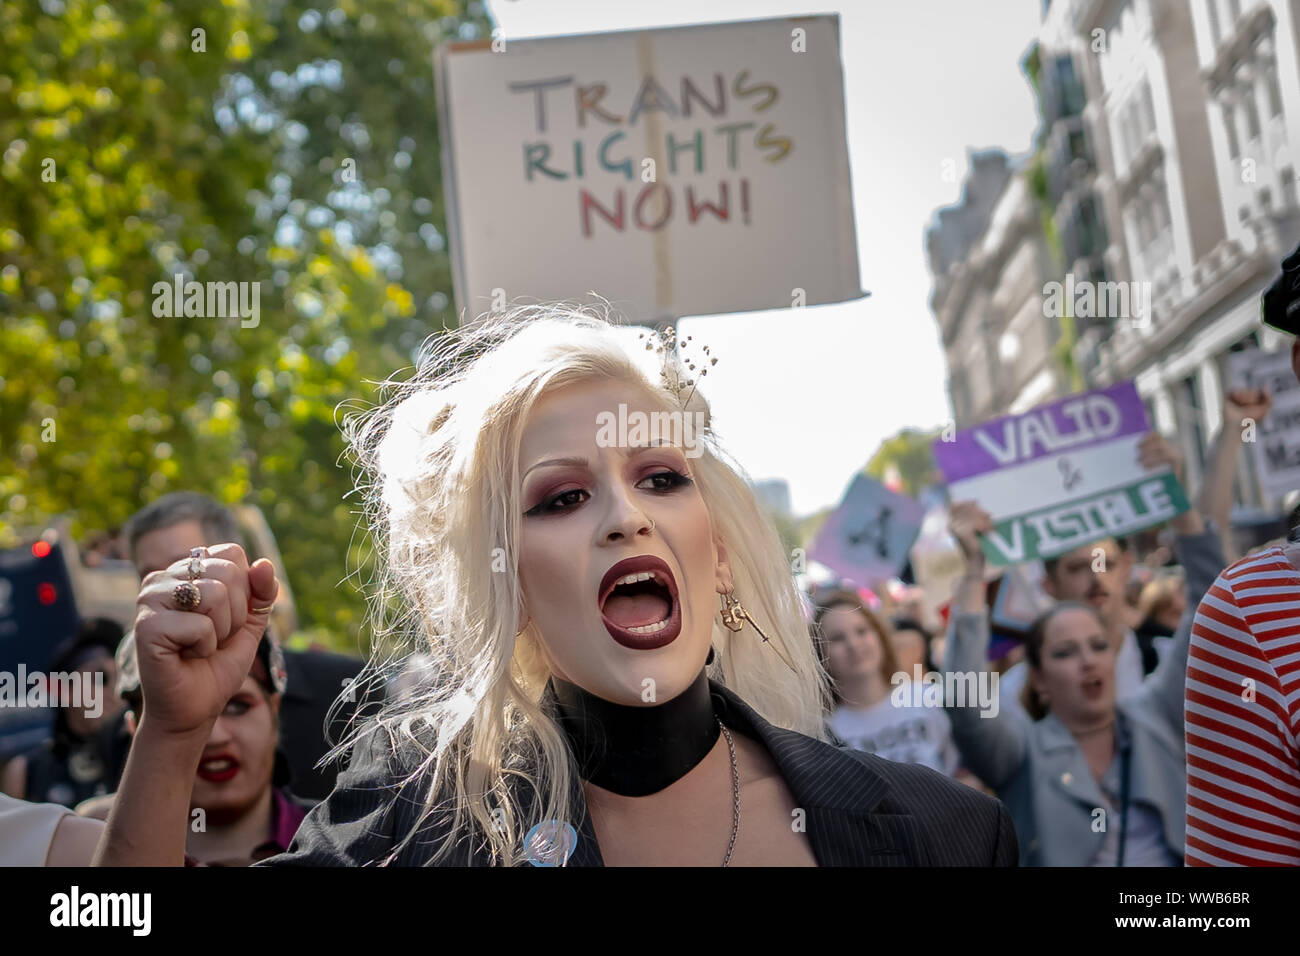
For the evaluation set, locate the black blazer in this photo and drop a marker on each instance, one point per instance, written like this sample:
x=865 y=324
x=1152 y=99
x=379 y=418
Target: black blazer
x=315 y=679
x=861 y=810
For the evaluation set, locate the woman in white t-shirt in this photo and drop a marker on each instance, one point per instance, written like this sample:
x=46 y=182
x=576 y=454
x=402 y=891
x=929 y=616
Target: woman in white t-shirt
x=873 y=711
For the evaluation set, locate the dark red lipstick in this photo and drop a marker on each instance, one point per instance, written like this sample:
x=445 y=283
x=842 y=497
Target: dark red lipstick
x=218 y=768
x=635 y=621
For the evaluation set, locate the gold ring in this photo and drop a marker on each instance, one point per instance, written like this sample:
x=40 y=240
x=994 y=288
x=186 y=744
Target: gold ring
x=187 y=596
x=262 y=610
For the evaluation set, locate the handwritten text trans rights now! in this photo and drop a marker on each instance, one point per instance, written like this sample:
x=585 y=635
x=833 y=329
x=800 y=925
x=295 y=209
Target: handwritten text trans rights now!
x=729 y=144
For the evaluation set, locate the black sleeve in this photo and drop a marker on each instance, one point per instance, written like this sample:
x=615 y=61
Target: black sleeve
x=1007 y=850
x=358 y=823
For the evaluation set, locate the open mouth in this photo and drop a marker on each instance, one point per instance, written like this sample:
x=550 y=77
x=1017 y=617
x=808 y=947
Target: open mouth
x=638 y=603
x=1093 y=688
x=218 y=769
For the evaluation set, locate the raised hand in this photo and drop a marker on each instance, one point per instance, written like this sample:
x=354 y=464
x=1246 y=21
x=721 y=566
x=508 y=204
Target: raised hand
x=966 y=521
x=193 y=661
x=1155 y=451
x=1242 y=403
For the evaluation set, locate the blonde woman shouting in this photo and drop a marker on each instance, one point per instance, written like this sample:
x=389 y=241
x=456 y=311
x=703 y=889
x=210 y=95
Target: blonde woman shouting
x=619 y=671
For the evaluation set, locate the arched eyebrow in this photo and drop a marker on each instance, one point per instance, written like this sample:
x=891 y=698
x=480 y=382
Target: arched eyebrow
x=580 y=462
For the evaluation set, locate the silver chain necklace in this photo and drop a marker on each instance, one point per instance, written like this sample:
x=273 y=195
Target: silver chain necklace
x=735 y=791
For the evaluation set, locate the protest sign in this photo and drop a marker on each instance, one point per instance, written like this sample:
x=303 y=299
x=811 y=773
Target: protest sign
x=683 y=171
x=937 y=563
x=1276 y=439
x=1061 y=475
x=867 y=537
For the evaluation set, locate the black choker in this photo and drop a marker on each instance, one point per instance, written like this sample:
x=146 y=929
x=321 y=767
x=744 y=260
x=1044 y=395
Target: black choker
x=637 y=751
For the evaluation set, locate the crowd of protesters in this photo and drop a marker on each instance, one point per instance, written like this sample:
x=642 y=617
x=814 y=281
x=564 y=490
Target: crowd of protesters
x=1147 y=717
x=1089 y=748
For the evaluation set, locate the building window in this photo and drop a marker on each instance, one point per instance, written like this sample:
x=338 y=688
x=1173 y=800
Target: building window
x=1192 y=423
x=1288 y=190
x=1230 y=125
x=1140 y=225
x=1069 y=90
x=1148 y=108
x=1274 y=91
x=1252 y=114
x=1245 y=482
x=1160 y=207
x=1077 y=145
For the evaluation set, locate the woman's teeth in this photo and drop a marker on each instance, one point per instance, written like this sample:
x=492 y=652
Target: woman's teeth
x=217 y=766
x=635 y=579
x=649 y=628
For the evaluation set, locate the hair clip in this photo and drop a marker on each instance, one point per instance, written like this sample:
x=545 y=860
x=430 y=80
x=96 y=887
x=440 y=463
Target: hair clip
x=666 y=343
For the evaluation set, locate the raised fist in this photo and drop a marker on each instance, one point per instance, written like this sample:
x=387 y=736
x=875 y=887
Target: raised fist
x=1242 y=403
x=966 y=522
x=197 y=627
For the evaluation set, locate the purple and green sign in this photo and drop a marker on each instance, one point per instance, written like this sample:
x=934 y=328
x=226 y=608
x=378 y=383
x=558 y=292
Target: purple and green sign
x=1061 y=475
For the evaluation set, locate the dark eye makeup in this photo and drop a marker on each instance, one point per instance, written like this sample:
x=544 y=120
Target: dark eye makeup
x=237 y=706
x=666 y=481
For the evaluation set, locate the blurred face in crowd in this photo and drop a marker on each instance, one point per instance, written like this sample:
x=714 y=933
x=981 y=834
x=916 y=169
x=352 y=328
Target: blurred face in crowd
x=588 y=505
x=853 y=648
x=1171 y=615
x=109 y=703
x=239 y=757
x=1076 y=675
x=1074 y=577
x=909 y=650
x=159 y=549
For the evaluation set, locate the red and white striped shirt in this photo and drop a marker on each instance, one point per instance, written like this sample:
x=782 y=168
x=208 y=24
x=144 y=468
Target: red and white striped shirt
x=1242 y=717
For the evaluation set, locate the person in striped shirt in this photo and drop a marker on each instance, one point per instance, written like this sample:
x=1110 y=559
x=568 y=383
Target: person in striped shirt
x=1242 y=718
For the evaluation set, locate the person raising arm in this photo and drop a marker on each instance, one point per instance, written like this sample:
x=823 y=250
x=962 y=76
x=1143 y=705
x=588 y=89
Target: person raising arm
x=1080 y=756
x=188 y=675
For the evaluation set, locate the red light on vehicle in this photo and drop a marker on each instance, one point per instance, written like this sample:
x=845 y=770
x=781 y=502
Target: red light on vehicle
x=41 y=549
x=45 y=592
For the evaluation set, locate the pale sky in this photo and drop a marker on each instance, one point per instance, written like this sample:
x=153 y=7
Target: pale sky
x=809 y=396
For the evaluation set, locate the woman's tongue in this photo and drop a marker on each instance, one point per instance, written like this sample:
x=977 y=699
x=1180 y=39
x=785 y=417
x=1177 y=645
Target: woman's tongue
x=635 y=610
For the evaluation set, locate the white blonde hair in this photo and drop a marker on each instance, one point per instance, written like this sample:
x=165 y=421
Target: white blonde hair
x=440 y=473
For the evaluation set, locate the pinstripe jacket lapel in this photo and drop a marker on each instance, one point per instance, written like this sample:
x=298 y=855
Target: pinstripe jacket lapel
x=836 y=791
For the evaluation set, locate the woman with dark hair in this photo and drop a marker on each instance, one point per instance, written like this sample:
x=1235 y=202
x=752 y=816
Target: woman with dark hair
x=73 y=766
x=1088 y=781
x=912 y=642
x=878 y=707
x=1161 y=604
x=240 y=807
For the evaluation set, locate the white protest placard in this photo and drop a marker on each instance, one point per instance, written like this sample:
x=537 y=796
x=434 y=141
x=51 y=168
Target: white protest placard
x=683 y=171
x=1061 y=475
x=1276 y=439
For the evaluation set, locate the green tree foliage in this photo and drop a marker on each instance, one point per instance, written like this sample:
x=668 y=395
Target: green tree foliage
x=248 y=141
x=910 y=451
